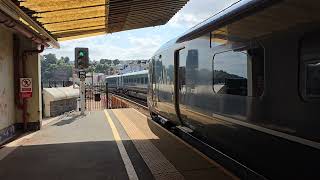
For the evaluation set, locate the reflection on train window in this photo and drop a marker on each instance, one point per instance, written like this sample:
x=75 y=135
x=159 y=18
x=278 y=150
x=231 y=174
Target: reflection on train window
x=239 y=72
x=313 y=79
x=158 y=70
x=310 y=67
x=190 y=76
x=230 y=73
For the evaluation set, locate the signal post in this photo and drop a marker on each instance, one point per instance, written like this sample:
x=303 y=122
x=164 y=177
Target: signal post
x=81 y=64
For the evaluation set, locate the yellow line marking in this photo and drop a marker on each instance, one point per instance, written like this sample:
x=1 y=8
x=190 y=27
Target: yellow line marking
x=124 y=155
x=192 y=148
x=160 y=167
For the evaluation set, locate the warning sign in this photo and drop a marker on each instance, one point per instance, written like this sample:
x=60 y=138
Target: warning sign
x=26 y=87
x=82 y=75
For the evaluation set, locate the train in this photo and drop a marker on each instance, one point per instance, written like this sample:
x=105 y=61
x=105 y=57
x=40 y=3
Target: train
x=246 y=84
x=134 y=84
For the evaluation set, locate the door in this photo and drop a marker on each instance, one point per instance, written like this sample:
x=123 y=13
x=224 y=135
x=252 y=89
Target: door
x=153 y=83
x=179 y=82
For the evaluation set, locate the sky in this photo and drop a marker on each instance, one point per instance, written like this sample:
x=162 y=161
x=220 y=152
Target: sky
x=142 y=43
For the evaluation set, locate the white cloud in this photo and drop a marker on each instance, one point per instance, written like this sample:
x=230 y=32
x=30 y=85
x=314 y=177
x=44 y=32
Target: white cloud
x=184 y=20
x=197 y=11
x=103 y=47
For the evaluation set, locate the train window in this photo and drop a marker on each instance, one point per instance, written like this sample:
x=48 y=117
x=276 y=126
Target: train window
x=146 y=80
x=141 y=80
x=239 y=72
x=310 y=67
x=313 y=79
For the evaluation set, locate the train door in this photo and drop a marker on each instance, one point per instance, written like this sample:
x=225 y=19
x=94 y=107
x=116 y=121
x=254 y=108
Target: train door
x=179 y=79
x=153 y=83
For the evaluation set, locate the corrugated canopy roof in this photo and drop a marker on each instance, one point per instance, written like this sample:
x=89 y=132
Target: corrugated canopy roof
x=70 y=19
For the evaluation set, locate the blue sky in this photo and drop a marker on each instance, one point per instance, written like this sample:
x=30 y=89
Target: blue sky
x=142 y=43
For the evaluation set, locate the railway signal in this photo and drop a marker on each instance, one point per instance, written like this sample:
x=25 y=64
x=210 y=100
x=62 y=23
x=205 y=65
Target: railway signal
x=81 y=58
x=81 y=63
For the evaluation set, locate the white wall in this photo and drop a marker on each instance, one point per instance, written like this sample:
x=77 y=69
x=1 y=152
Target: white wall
x=7 y=107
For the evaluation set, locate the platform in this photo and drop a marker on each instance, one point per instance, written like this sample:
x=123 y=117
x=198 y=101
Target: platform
x=109 y=144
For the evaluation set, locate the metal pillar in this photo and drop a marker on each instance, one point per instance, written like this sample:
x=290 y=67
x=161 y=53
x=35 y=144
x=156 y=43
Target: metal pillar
x=82 y=97
x=107 y=95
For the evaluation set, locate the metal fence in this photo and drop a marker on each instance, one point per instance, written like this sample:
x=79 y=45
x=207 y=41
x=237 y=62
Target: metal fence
x=51 y=84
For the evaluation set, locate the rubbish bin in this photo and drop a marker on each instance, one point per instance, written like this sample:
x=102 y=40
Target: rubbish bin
x=97 y=97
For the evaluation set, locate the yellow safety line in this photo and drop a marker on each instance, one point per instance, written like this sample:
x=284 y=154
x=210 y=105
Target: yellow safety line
x=192 y=148
x=160 y=167
x=124 y=155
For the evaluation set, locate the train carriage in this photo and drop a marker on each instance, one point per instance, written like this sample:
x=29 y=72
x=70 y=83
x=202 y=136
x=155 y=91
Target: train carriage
x=134 y=84
x=246 y=83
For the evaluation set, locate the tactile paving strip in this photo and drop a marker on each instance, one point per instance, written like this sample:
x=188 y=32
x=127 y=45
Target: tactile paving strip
x=159 y=166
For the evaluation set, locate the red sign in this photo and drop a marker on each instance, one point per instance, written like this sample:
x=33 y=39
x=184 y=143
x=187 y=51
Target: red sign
x=26 y=87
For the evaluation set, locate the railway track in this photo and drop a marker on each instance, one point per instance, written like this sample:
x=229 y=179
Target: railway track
x=136 y=103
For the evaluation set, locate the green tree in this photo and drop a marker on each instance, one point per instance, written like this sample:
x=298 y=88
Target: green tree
x=116 y=62
x=54 y=69
x=65 y=59
x=50 y=58
x=101 y=68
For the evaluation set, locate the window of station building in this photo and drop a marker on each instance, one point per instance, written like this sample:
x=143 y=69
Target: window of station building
x=239 y=73
x=310 y=67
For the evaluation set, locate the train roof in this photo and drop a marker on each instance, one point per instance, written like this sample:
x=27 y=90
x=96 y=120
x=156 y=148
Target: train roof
x=129 y=74
x=218 y=20
x=136 y=73
x=230 y=14
x=113 y=76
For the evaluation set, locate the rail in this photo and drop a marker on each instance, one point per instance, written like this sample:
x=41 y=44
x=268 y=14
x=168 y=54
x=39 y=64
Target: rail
x=129 y=102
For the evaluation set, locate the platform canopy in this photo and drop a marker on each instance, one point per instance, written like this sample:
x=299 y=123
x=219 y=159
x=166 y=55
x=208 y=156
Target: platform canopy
x=70 y=19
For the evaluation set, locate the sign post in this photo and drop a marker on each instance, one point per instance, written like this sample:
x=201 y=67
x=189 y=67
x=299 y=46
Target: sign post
x=82 y=77
x=26 y=87
x=82 y=97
